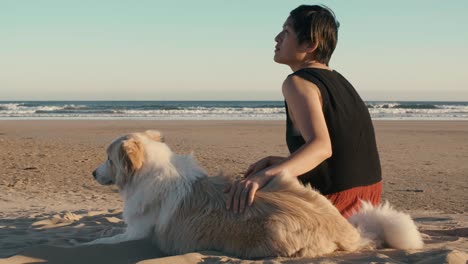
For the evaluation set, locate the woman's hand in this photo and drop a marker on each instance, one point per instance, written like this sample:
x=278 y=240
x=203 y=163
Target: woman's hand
x=262 y=164
x=242 y=192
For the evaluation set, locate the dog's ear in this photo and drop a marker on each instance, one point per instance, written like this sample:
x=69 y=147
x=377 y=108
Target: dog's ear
x=131 y=153
x=154 y=135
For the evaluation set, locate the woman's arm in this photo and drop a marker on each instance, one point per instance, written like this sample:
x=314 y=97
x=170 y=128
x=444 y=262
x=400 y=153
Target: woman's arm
x=305 y=106
x=305 y=109
x=262 y=164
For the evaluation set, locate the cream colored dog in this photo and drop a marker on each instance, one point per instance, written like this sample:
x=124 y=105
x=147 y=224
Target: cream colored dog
x=170 y=198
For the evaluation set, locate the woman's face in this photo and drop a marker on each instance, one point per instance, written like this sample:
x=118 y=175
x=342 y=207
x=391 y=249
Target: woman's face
x=288 y=50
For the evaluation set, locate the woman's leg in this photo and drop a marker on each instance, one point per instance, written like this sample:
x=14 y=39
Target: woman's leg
x=349 y=201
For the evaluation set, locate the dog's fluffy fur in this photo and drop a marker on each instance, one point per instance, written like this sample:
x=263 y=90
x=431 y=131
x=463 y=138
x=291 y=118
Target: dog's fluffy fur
x=170 y=198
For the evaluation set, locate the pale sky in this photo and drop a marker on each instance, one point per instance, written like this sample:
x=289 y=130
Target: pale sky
x=223 y=50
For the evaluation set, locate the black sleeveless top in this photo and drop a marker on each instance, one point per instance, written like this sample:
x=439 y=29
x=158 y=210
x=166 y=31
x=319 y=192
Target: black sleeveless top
x=355 y=160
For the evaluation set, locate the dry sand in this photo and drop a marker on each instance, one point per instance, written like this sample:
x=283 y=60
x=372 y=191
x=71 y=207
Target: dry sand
x=49 y=200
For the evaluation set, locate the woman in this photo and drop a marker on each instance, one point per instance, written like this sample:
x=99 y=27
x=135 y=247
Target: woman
x=329 y=131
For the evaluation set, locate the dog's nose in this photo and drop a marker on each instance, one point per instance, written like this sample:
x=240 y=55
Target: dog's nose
x=94 y=174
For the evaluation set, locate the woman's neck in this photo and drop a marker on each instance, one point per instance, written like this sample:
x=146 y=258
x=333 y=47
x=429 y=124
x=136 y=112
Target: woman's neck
x=312 y=64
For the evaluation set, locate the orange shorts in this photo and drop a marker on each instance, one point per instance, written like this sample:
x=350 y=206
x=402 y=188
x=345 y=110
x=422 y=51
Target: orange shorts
x=348 y=201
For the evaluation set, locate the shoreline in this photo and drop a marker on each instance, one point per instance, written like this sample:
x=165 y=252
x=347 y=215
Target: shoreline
x=214 y=110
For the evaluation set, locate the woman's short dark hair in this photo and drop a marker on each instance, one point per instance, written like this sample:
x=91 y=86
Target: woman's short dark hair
x=316 y=24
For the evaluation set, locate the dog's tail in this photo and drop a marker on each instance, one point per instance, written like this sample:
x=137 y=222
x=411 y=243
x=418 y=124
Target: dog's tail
x=384 y=226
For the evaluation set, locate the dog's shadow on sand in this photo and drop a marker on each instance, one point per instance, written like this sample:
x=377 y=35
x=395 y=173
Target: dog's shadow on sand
x=53 y=238
x=126 y=252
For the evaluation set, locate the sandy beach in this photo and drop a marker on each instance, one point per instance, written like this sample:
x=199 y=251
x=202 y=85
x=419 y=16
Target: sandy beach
x=49 y=199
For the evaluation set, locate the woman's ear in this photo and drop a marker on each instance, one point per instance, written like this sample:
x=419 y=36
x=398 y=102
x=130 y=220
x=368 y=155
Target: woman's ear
x=311 y=47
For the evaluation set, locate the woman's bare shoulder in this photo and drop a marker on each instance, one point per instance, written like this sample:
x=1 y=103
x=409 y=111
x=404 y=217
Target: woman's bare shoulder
x=294 y=85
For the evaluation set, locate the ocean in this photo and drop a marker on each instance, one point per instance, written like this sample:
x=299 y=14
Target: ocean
x=214 y=110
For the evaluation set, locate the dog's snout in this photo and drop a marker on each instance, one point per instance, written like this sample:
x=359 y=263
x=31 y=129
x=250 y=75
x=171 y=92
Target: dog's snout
x=94 y=174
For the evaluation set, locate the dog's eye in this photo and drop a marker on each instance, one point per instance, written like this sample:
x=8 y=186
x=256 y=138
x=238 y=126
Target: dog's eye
x=108 y=159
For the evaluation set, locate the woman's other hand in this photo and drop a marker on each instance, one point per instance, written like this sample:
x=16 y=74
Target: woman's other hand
x=262 y=164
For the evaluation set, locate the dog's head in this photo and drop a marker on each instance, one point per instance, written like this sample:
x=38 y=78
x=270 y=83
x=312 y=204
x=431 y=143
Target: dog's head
x=126 y=156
